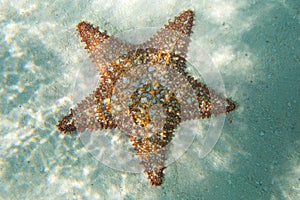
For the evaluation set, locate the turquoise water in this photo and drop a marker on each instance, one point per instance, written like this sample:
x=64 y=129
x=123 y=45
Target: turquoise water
x=254 y=44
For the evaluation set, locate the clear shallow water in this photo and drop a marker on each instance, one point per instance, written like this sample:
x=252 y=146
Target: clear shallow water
x=254 y=44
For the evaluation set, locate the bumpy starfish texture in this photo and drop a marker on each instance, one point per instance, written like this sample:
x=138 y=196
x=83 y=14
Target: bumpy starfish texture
x=165 y=52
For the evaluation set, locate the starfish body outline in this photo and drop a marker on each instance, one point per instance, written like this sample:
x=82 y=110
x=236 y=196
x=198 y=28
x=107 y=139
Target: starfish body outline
x=113 y=58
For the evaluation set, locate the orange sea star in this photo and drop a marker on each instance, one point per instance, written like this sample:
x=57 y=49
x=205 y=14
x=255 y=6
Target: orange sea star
x=165 y=52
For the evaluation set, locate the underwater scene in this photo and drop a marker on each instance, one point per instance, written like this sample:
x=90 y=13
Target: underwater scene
x=112 y=99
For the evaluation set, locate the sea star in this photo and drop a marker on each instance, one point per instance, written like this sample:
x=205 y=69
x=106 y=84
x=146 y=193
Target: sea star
x=165 y=53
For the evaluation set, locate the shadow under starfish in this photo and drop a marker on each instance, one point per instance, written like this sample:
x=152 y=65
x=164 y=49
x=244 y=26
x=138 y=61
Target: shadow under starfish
x=166 y=51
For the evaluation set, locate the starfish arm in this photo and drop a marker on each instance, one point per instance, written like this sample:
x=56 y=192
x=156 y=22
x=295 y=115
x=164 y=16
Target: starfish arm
x=91 y=35
x=103 y=49
x=175 y=35
x=209 y=102
x=92 y=113
x=182 y=23
x=152 y=157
